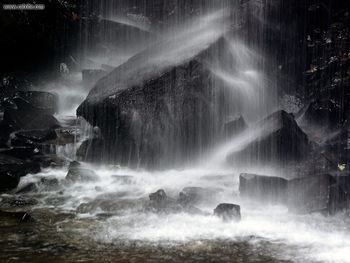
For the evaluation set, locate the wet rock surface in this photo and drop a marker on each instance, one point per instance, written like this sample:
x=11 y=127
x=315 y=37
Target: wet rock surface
x=28 y=117
x=317 y=193
x=80 y=174
x=91 y=150
x=263 y=188
x=235 y=127
x=12 y=169
x=166 y=112
x=282 y=142
x=228 y=212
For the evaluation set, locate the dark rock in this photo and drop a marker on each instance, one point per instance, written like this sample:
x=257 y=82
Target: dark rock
x=20 y=217
x=37 y=135
x=74 y=164
x=116 y=203
x=29 y=188
x=28 y=117
x=159 y=115
x=23 y=153
x=323 y=113
x=281 y=141
x=160 y=202
x=49 y=184
x=91 y=150
x=228 y=212
x=196 y=195
x=66 y=136
x=17 y=201
x=49 y=160
x=158 y=197
x=79 y=174
x=41 y=100
x=235 y=127
x=8 y=181
x=11 y=169
x=263 y=188
x=317 y=193
x=343 y=180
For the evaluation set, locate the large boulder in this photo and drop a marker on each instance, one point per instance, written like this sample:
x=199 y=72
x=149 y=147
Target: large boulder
x=163 y=105
x=263 y=188
x=28 y=117
x=317 y=193
x=279 y=140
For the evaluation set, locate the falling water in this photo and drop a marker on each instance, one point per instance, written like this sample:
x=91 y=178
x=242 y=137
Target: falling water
x=110 y=209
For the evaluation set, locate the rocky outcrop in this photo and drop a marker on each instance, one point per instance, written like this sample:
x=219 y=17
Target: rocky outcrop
x=279 y=141
x=155 y=114
x=263 y=188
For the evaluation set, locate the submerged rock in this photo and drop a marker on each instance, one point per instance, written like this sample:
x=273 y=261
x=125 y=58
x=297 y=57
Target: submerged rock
x=80 y=174
x=263 y=188
x=123 y=179
x=29 y=188
x=49 y=184
x=228 y=212
x=112 y=204
x=160 y=202
x=280 y=141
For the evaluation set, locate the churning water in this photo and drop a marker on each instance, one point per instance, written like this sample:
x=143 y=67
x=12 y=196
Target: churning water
x=269 y=230
x=110 y=210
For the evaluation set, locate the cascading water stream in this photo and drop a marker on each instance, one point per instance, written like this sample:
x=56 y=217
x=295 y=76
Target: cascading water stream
x=110 y=209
